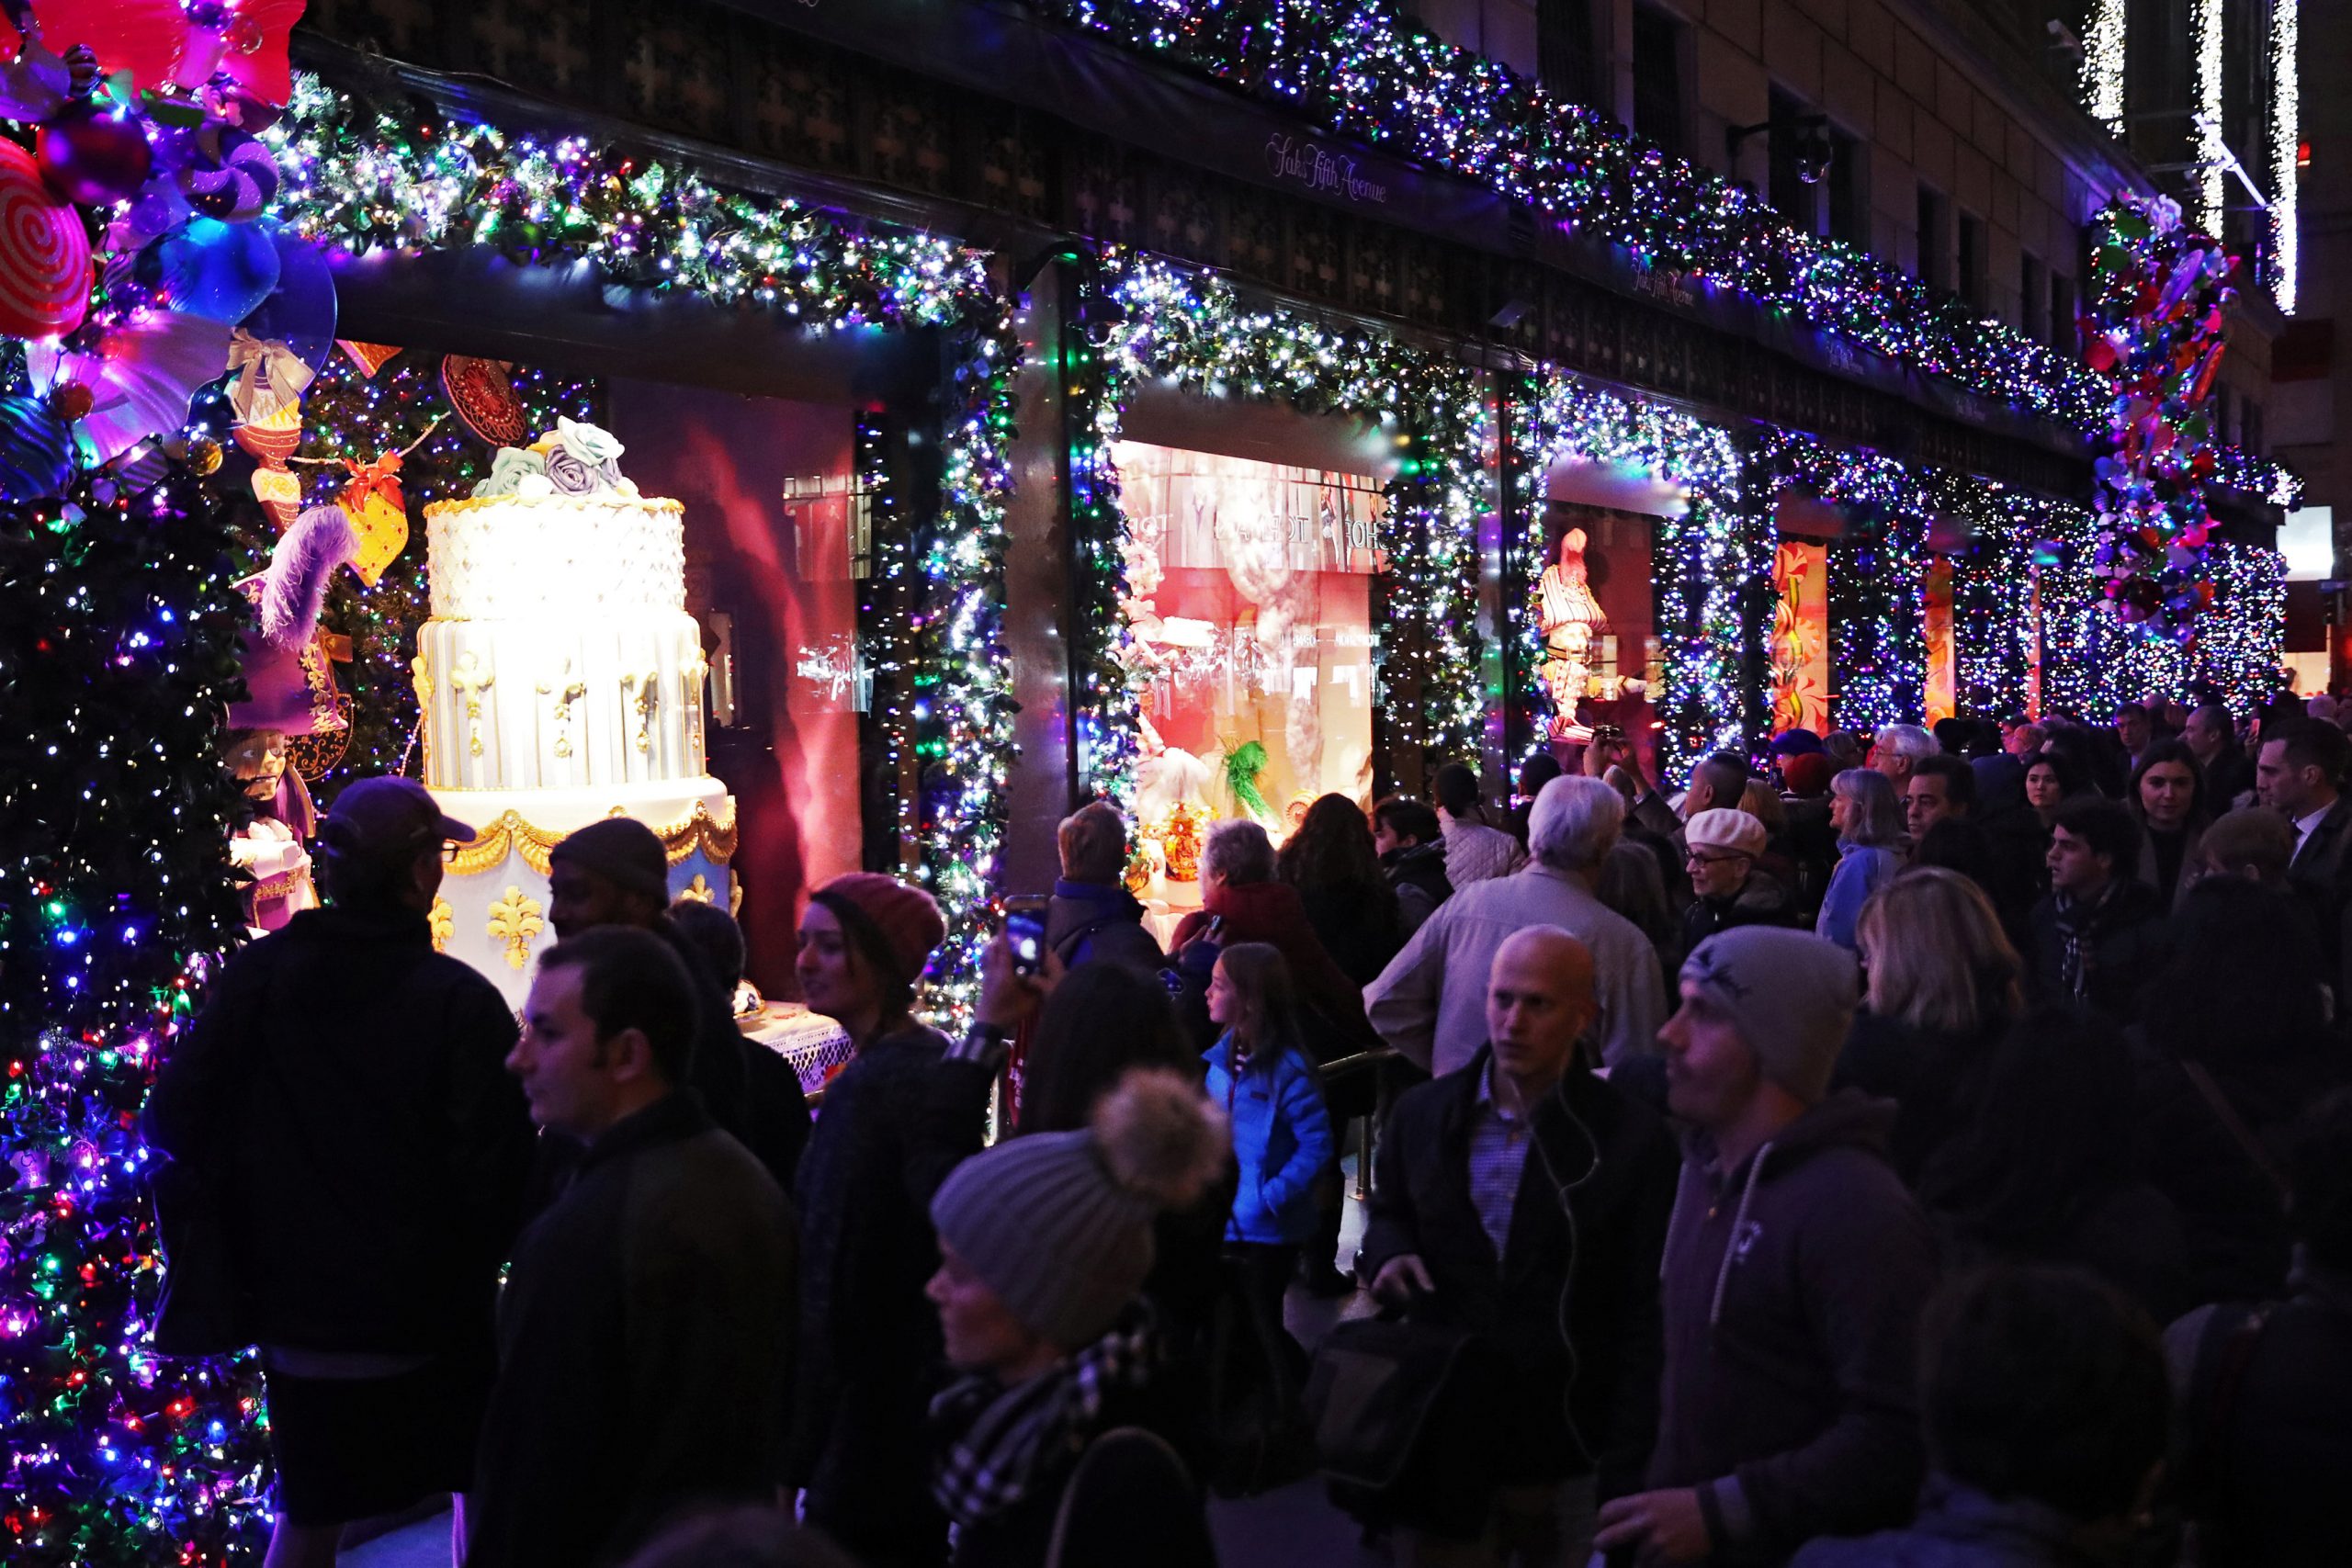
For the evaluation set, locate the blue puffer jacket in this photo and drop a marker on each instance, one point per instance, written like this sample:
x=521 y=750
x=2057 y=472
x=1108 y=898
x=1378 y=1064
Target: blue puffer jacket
x=1282 y=1139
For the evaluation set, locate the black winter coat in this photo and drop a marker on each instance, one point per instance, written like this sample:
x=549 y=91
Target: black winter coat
x=897 y=1120
x=2126 y=947
x=345 y=1092
x=2229 y=1211
x=644 y=1348
x=1930 y=1075
x=1357 y=927
x=2271 y=1453
x=1086 y=921
x=1613 y=1157
x=747 y=1089
x=1763 y=900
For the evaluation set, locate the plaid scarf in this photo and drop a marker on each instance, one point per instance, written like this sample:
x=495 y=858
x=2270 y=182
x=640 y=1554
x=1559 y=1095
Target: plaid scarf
x=1001 y=1443
x=2078 y=931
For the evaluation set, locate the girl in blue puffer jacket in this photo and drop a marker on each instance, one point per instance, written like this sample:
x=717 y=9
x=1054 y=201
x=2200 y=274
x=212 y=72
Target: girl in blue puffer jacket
x=1259 y=1072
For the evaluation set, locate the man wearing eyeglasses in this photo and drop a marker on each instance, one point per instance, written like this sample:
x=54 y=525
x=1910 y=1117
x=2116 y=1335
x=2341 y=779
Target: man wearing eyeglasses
x=1728 y=888
x=343 y=1108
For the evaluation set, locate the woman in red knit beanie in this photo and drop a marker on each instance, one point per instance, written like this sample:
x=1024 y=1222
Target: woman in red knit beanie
x=895 y=1122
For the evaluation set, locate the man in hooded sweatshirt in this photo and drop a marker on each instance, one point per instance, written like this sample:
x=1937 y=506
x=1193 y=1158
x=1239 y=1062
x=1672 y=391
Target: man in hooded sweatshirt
x=1796 y=1266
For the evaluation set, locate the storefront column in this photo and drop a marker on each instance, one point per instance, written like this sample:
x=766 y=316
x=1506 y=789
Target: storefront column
x=1038 y=596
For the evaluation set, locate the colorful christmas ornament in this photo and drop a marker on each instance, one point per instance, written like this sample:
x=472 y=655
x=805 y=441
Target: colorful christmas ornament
x=36 y=450
x=300 y=311
x=229 y=176
x=209 y=268
x=44 y=253
x=141 y=373
x=484 y=400
x=369 y=356
x=95 y=155
x=372 y=498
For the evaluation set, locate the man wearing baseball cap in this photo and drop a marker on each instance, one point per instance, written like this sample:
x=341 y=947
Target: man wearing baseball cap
x=342 y=1102
x=614 y=872
x=1796 y=1266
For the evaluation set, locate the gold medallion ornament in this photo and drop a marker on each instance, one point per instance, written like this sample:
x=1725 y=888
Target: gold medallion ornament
x=690 y=678
x=470 y=679
x=422 y=678
x=699 y=889
x=648 y=687
x=514 y=921
x=566 y=691
x=444 y=921
x=698 y=830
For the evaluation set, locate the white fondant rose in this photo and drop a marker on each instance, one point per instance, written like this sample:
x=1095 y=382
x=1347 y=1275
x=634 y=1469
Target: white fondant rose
x=532 y=487
x=509 y=470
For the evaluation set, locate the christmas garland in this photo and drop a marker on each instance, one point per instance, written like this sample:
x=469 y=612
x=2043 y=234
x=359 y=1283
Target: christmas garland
x=2159 y=291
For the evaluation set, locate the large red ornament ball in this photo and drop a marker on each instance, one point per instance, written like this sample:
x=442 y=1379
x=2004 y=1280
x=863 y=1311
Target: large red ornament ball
x=44 y=253
x=94 y=157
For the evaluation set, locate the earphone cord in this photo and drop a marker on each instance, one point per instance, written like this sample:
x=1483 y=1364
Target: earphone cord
x=1567 y=1283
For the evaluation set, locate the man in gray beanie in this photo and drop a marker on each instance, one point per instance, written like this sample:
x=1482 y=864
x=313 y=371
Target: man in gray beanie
x=1795 y=1268
x=1057 y=1432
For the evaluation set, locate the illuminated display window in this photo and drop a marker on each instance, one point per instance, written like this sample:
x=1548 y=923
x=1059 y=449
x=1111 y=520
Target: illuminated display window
x=1251 y=596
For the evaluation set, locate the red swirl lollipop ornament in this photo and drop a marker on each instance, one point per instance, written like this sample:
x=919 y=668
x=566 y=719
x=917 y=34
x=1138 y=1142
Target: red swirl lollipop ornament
x=44 y=253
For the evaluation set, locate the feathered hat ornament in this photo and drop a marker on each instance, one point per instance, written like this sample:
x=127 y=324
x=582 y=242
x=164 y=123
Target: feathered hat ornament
x=290 y=681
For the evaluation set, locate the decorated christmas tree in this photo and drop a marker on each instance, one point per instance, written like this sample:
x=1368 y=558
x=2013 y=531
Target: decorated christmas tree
x=117 y=639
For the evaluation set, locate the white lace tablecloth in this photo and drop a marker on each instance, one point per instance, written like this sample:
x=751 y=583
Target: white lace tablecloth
x=814 y=1044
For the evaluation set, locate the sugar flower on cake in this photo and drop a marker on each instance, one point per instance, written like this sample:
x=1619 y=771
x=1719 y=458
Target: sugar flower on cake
x=509 y=470
x=598 y=450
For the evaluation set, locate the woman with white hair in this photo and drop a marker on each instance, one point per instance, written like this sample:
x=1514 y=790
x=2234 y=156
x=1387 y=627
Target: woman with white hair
x=1870 y=849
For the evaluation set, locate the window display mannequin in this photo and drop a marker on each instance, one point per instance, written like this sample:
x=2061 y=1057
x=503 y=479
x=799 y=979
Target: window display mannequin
x=1571 y=620
x=269 y=848
x=290 y=694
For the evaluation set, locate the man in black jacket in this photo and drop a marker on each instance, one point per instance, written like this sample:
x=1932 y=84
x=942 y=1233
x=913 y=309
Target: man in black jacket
x=342 y=1096
x=1092 y=915
x=643 y=1351
x=614 y=872
x=2099 y=936
x=1500 y=1183
x=1411 y=842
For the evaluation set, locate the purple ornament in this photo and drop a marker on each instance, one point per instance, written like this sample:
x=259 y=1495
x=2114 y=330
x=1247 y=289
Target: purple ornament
x=94 y=156
x=231 y=176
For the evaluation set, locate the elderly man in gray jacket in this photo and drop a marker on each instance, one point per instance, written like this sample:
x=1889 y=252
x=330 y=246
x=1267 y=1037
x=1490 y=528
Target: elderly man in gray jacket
x=1430 y=1002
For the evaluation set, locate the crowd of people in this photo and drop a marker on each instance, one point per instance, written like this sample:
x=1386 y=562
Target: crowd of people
x=1931 y=1147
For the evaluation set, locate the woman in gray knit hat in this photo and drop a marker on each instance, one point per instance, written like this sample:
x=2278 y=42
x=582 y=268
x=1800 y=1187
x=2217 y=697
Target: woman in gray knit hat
x=1055 y=1442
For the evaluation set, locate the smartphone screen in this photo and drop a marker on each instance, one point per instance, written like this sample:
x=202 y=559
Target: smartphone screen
x=1024 y=931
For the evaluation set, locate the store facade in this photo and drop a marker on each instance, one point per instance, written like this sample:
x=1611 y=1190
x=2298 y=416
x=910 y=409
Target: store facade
x=1111 y=469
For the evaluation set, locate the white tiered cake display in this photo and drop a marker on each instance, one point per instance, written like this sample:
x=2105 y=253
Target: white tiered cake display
x=560 y=681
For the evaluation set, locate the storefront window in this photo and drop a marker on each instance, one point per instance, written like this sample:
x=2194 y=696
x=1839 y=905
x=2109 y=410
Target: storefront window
x=1250 y=602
